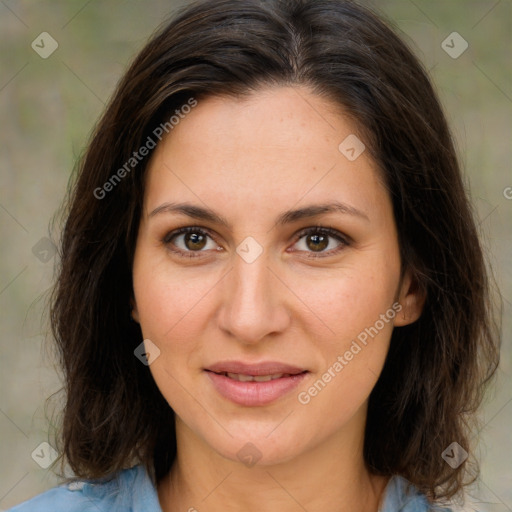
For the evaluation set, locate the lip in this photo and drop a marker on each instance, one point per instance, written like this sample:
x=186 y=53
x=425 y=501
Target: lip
x=255 y=369
x=254 y=394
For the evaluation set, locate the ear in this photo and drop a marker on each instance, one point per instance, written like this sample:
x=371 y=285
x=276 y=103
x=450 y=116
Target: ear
x=133 y=309
x=412 y=299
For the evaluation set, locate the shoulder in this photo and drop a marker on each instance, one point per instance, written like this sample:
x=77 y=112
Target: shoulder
x=130 y=490
x=402 y=496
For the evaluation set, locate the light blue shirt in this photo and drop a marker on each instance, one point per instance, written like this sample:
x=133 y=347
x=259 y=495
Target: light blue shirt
x=133 y=491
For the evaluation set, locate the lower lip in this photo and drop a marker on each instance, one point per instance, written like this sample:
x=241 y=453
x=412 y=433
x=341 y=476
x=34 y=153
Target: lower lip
x=254 y=393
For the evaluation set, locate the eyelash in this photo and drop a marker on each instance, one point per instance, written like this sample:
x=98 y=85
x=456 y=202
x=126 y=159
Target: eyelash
x=345 y=241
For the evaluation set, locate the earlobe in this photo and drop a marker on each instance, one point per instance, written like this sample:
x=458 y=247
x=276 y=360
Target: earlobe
x=412 y=299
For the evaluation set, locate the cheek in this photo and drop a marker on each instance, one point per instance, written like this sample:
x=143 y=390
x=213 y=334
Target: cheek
x=172 y=306
x=356 y=310
x=353 y=356
x=170 y=301
x=352 y=300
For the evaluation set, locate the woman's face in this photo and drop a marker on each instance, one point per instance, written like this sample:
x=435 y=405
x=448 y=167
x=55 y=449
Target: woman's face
x=259 y=286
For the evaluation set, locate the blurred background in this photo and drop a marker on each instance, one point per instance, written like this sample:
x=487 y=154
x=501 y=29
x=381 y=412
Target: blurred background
x=59 y=64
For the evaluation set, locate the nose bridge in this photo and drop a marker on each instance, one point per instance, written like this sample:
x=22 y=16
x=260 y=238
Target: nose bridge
x=253 y=305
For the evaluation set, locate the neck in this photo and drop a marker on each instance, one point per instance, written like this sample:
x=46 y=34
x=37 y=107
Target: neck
x=331 y=477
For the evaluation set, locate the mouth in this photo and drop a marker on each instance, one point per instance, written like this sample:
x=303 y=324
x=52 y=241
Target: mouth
x=254 y=378
x=261 y=369
x=254 y=385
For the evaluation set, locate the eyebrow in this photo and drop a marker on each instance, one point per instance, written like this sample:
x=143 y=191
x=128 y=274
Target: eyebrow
x=287 y=217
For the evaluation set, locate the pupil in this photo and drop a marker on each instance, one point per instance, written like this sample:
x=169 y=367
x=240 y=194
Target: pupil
x=319 y=241
x=196 y=240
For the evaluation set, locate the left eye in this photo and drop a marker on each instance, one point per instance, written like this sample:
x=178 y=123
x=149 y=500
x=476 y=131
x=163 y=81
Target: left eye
x=316 y=240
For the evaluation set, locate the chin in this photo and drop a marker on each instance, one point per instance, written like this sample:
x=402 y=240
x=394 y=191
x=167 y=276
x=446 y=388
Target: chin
x=261 y=446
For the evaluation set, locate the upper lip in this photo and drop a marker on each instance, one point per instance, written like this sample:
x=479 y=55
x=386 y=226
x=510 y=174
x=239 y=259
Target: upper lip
x=263 y=368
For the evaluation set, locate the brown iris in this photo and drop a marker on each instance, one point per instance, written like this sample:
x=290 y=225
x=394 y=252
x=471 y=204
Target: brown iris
x=320 y=242
x=196 y=240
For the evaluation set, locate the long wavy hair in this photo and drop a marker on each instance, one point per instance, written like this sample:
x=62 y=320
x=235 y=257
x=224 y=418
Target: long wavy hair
x=436 y=369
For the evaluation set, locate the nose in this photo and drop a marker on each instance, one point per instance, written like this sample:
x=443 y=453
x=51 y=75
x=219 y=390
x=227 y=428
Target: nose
x=255 y=302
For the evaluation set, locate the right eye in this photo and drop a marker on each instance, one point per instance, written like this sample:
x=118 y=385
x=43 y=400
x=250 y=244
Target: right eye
x=187 y=241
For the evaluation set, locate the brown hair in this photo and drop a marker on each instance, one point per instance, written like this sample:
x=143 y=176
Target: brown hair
x=435 y=372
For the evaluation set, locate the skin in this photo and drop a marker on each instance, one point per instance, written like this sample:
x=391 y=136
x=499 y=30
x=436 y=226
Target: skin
x=250 y=159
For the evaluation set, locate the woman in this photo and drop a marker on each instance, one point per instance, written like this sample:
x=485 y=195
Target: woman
x=272 y=293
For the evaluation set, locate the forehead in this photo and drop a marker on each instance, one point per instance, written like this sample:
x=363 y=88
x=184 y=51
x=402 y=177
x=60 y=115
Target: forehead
x=274 y=148
x=289 y=119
